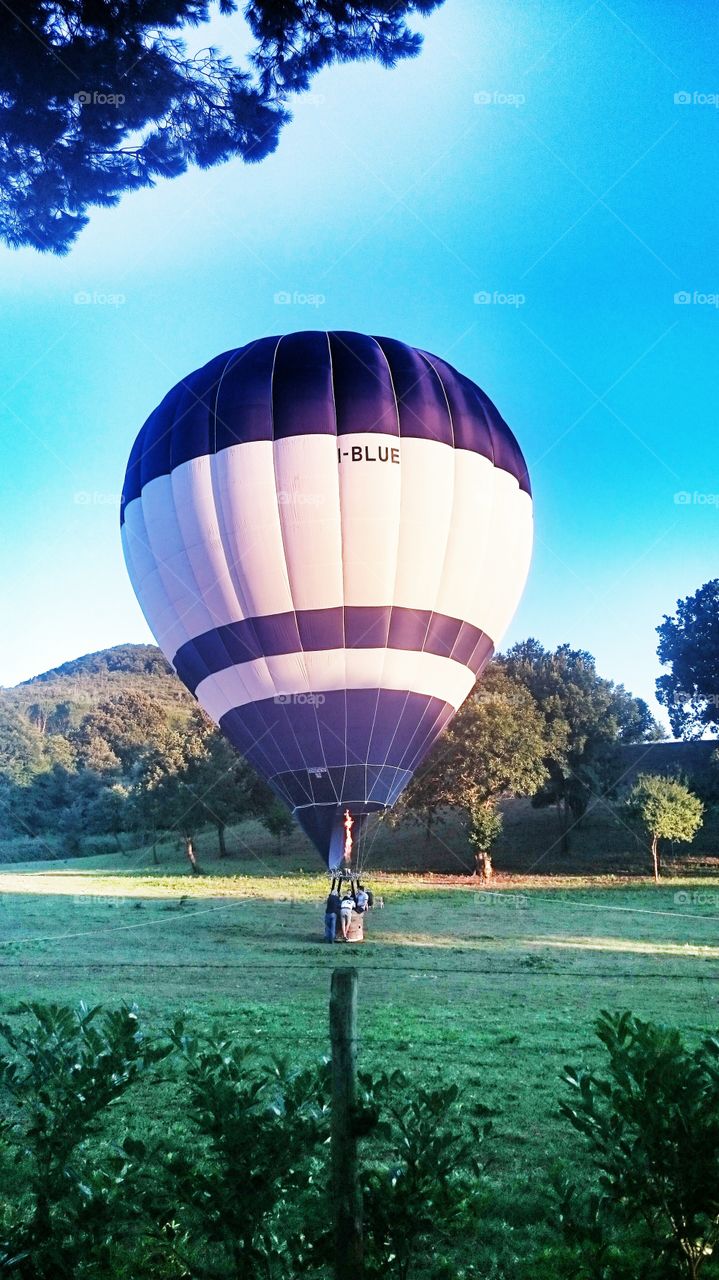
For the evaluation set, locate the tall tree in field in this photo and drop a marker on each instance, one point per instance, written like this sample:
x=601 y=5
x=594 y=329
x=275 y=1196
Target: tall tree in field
x=276 y=819
x=98 y=98
x=494 y=747
x=664 y=809
x=586 y=717
x=191 y=778
x=689 y=646
x=226 y=786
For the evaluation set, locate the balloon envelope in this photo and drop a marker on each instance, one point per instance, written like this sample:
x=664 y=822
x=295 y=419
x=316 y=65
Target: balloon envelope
x=328 y=534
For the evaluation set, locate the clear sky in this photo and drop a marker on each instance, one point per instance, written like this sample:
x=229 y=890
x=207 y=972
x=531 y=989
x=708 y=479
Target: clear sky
x=533 y=151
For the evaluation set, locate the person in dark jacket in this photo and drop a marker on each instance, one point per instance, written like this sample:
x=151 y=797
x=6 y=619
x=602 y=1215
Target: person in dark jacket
x=332 y=914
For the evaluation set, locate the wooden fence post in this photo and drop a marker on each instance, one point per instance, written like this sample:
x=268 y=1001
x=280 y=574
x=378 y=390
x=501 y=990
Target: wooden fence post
x=346 y=1189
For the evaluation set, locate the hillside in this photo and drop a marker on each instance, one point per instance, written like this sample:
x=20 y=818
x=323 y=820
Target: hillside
x=139 y=659
x=57 y=700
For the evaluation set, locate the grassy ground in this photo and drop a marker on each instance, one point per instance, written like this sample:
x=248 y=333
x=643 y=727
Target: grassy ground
x=497 y=989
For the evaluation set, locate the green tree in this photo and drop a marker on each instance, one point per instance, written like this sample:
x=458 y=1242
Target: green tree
x=227 y=788
x=110 y=812
x=485 y=826
x=101 y=98
x=664 y=809
x=165 y=798
x=689 y=646
x=586 y=717
x=277 y=820
x=494 y=747
x=190 y=777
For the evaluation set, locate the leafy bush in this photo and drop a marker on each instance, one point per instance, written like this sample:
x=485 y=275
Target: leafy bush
x=652 y=1128
x=254 y=1175
x=420 y=1182
x=28 y=849
x=62 y=1073
x=246 y=1194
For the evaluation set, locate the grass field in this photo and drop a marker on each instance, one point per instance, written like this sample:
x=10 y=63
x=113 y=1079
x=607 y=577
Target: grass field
x=496 y=989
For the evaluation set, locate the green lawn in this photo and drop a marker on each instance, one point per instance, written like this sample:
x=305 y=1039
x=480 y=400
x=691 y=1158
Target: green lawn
x=495 y=989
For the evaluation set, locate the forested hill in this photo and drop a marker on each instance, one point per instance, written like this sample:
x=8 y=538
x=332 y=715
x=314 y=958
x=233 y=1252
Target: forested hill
x=57 y=700
x=130 y=659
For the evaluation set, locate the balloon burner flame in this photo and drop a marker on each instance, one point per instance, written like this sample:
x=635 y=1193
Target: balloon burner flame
x=348 y=825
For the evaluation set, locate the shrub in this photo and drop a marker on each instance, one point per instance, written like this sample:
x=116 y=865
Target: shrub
x=29 y=849
x=652 y=1128
x=64 y=1069
x=232 y=1180
x=420 y=1182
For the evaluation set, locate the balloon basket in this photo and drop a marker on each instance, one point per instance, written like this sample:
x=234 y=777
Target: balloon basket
x=355 y=933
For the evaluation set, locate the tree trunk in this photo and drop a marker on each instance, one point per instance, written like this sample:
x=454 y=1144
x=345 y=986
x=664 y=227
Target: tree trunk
x=482 y=865
x=429 y=824
x=655 y=857
x=564 y=827
x=221 y=839
x=191 y=857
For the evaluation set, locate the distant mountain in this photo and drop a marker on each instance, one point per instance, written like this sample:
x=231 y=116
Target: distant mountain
x=69 y=742
x=56 y=701
x=133 y=659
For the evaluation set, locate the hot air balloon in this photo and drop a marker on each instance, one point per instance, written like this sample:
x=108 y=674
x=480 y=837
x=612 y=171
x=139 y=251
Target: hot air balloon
x=328 y=534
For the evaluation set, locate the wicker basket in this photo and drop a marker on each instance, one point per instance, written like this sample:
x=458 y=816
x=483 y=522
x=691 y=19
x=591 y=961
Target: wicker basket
x=355 y=933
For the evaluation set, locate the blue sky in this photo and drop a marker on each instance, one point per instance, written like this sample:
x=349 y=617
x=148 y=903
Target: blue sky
x=532 y=151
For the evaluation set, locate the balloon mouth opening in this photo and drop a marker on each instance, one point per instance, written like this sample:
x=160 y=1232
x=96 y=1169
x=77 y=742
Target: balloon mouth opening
x=336 y=831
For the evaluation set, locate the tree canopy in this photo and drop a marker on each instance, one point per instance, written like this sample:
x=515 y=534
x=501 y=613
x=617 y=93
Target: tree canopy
x=689 y=646
x=494 y=747
x=126 y=659
x=665 y=809
x=586 y=718
x=98 y=98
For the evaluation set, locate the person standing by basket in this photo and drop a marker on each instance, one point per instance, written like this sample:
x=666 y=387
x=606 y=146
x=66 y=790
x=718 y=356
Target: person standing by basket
x=347 y=906
x=332 y=914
